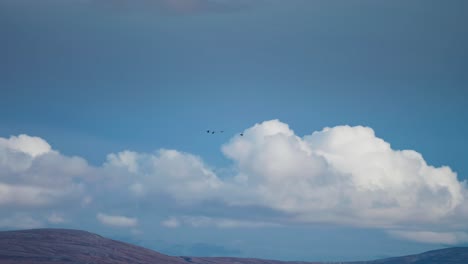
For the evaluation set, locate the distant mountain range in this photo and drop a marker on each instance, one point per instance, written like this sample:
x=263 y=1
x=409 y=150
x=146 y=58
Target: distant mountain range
x=65 y=246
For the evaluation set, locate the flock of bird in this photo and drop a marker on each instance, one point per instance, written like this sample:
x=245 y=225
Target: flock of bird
x=220 y=131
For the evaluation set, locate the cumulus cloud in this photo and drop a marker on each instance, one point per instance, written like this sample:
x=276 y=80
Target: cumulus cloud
x=181 y=175
x=33 y=146
x=117 y=220
x=34 y=175
x=343 y=175
x=27 y=195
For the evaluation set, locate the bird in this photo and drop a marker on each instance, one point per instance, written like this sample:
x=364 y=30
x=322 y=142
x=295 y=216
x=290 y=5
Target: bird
x=217 y=131
x=241 y=134
x=214 y=131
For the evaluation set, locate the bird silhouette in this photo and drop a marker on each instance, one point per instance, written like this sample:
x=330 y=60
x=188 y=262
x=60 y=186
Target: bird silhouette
x=214 y=131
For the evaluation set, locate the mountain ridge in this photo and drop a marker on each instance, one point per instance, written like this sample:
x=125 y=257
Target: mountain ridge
x=65 y=246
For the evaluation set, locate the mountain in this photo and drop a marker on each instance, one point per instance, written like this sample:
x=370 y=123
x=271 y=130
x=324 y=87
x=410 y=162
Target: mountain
x=456 y=255
x=65 y=246
x=47 y=246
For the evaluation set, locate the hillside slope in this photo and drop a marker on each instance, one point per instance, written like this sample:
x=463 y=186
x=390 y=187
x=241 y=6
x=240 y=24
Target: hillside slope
x=73 y=246
x=64 y=246
x=456 y=255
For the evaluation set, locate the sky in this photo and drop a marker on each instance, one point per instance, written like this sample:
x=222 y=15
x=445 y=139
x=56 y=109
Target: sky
x=353 y=115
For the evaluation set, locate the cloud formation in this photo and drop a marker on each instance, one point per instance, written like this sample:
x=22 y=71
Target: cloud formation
x=34 y=175
x=448 y=238
x=55 y=218
x=33 y=146
x=341 y=175
x=117 y=220
x=204 y=221
x=180 y=175
x=344 y=175
x=171 y=222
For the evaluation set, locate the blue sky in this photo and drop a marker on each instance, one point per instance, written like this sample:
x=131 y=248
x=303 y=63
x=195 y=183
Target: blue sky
x=87 y=80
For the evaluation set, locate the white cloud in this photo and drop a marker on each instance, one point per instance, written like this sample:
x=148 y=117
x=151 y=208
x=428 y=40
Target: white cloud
x=448 y=238
x=343 y=175
x=126 y=160
x=205 y=221
x=171 y=222
x=182 y=175
x=27 y=195
x=33 y=146
x=117 y=220
x=32 y=174
x=55 y=218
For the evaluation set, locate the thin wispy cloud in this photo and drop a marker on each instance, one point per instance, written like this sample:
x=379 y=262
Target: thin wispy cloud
x=117 y=220
x=447 y=238
x=171 y=222
x=20 y=221
x=205 y=221
x=55 y=218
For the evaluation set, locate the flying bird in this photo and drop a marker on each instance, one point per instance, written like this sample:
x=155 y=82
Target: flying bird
x=216 y=131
